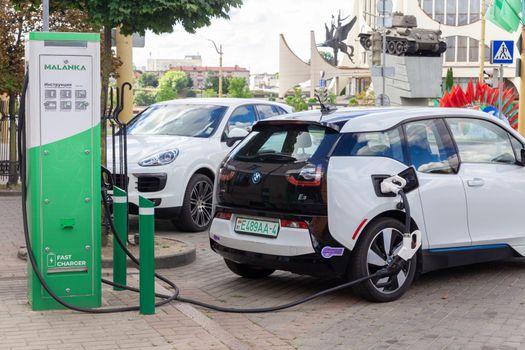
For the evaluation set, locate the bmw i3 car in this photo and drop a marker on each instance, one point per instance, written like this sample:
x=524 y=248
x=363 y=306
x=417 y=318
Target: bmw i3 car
x=301 y=194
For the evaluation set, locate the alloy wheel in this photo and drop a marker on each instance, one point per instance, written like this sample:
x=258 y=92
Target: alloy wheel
x=385 y=244
x=201 y=203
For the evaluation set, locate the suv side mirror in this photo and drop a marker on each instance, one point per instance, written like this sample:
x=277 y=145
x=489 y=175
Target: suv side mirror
x=235 y=134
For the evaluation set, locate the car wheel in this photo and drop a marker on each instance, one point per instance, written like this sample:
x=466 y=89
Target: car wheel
x=248 y=271
x=376 y=247
x=196 y=210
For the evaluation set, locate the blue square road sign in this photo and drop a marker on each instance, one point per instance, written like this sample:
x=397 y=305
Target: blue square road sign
x=501 y=51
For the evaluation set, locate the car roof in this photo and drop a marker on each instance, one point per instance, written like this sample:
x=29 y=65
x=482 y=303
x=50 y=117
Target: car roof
x=225 y=101
x=368 y=119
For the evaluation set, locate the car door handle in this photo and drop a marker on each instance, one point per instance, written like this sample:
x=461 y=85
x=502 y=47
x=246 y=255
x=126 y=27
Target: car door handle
x=476 y=182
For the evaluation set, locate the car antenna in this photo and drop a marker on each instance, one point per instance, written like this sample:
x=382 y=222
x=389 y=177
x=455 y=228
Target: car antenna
x=321 y=95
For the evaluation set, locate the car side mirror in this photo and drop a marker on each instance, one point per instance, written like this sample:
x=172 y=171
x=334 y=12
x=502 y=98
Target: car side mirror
x=235 y=134
x=521 y=160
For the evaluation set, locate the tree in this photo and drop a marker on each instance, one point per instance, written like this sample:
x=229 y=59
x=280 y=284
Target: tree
x=297 y=101
x=148 y=79
x=327 y=56
x=212 y=82
x=449 y=80
x=144 y=98
x=159 y=16
x=170 y=84
x=238 y=88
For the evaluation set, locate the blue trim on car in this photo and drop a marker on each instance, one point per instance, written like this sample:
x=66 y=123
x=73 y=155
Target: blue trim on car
x=473 y=247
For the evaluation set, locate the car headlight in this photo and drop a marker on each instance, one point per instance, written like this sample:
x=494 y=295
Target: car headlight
x=160 y=158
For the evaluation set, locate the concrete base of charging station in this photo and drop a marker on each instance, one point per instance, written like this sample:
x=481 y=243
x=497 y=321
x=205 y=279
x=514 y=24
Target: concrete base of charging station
x=169 y=252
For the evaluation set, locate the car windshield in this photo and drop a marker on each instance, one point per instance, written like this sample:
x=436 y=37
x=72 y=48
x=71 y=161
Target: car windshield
x=194 y=120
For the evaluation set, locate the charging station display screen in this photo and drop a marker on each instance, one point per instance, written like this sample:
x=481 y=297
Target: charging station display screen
x=65 y=95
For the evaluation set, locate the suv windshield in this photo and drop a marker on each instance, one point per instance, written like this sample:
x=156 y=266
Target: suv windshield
x=287 y=143
x=195 y=120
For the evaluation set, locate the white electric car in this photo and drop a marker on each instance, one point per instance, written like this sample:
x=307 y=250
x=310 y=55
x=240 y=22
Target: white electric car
x=301 y=193
x=175 y=147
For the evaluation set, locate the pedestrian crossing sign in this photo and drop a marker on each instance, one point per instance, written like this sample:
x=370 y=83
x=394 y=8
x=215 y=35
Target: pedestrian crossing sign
x=502 y=51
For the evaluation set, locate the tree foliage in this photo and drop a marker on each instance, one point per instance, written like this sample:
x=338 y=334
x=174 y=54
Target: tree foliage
x=238 y=88
x=170 y=84
x=449 y=80
x=144 y=98
x=297 y=100
x=148 y=79
x=212 y=82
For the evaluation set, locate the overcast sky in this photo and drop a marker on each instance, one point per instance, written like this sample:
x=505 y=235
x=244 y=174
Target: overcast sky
x=250 y=38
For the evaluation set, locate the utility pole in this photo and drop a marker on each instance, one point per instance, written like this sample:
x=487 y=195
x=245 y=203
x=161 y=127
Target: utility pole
x=45 y=15
x=521 y=119
x=219 y=51
x=482 y=43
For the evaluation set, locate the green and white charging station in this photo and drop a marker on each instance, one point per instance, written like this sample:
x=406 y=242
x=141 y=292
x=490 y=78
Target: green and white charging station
x=63 y=167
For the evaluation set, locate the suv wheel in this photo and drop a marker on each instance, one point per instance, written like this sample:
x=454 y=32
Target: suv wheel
x=248 y=271
x=196 y=210
x=377 y=245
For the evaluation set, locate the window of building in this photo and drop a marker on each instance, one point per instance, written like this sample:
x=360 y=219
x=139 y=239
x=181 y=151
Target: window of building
x=450 y=54
x=473 y=51
x=452 y=12
x=462 y=48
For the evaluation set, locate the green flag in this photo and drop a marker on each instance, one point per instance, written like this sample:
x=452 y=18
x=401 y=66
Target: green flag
x=506 y=14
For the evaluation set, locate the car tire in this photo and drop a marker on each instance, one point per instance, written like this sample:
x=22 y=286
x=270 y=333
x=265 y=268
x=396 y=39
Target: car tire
x=369 y=255
x=196 y=210
x=248 y=271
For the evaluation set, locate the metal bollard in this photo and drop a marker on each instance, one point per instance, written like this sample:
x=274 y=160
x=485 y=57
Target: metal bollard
x=147 y=256
x=120 y=214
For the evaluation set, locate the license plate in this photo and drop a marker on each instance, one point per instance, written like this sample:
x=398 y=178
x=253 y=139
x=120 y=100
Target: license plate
x=257 y=227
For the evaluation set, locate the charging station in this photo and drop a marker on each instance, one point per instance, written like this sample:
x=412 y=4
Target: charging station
x=63 y=167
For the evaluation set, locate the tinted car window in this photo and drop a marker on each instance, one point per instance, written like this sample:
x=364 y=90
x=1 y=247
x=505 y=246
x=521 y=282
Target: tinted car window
x=177 y=119
x=242 y=117
x=372 y=144
x=267 y=111
x=480 y=141
x=287 y=143
x=430 y=147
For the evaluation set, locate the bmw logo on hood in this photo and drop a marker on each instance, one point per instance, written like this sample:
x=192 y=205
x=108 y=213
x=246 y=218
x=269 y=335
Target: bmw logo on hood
x=256 y=177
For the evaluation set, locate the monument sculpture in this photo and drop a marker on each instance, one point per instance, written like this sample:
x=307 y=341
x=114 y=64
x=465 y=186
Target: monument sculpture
x=336 y=35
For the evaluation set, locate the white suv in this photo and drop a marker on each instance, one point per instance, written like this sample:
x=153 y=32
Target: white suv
x=175 y=147
x=302 y=194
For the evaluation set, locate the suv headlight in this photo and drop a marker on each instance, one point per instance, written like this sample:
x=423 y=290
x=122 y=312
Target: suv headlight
x=160 y=158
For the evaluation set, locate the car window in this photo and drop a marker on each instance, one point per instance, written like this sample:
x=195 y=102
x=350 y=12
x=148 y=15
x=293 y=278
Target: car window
x=372 y=144
x=287 y=143
x=430 y=147
x=242 y=117
x=480 y=141
x=517 y=146
x=267 y=111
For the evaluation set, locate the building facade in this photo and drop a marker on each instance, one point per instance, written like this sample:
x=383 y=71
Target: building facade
x=199 y=75
x=460 y=23
x=164 y=64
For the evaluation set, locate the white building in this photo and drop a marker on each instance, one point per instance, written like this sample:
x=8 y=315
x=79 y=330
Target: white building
x=164 y=64
x=264 y=81
x=460 y=22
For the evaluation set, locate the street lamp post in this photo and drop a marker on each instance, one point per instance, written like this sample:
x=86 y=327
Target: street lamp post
x=219 y=51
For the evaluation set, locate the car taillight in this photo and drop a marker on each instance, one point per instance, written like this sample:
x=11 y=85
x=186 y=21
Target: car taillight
x=294 y=224
x=308 y=176
x=224 y=215
x=226 y=174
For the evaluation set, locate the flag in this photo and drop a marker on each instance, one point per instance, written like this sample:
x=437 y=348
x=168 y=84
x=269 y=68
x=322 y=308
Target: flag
x=506 y=14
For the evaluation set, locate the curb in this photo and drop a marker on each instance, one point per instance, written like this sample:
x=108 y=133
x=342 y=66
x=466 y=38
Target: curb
x=164 y=262
x=10 y=194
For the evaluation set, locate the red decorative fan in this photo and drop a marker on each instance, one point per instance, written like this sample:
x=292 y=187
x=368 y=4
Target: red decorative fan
x=484 y=98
